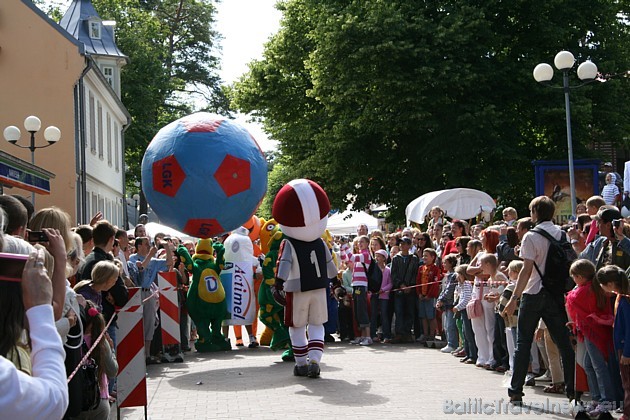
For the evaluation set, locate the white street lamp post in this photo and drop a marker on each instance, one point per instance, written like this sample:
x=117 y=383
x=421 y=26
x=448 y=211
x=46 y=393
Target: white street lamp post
x=32 y=124
x=587 y=71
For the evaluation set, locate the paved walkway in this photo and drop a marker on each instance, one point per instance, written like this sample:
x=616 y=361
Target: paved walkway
x=380 y=381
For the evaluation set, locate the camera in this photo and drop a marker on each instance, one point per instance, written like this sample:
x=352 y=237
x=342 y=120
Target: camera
x=616 y=223
x=11 y=266
x=37 y=236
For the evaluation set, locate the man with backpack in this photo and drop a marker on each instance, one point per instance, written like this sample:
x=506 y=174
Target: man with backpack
x=540 y=296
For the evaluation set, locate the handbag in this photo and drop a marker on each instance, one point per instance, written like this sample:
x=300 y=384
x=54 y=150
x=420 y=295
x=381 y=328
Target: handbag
x=473 y=307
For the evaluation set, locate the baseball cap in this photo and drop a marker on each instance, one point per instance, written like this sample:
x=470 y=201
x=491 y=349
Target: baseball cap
x=406 y=240
x=608 y=164
x=607 y=214
x=382 y=252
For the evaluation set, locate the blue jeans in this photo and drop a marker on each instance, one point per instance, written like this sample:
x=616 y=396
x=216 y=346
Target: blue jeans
x=532 y=309
x=469 y=343
x=381 y=305
x=112 y=334
x=450 y=326
x=405 y=308
x=597 y=374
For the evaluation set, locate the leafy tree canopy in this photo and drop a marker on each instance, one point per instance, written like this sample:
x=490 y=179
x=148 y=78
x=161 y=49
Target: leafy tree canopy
x=383 y=101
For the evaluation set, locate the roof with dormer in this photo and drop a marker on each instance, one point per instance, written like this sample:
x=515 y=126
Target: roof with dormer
x=76 y=22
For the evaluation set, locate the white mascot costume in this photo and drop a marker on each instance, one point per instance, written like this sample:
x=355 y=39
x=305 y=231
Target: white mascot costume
x=304 y=267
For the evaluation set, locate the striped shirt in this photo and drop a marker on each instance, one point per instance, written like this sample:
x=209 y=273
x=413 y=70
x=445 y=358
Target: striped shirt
x=359 y=274
x=345 y=253
x=464 y=291
x=610 y=193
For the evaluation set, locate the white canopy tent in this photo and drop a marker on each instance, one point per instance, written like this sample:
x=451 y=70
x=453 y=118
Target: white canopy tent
x=458 y=203
x=155 y=228
x=346 y=223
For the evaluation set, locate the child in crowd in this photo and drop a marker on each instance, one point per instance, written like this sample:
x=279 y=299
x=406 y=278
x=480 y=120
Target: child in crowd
x=614 y=280
x=104 y=276
x=510 y=216
x=610 y=192
x=437 y=217
x=344 y=297
x=361 y=261
x=102 y=358
x=463 y=290
x=592 y=318
x=428 y=281
x=511 y=321
x=445 y=303
x=380 y=300
x=496 y=335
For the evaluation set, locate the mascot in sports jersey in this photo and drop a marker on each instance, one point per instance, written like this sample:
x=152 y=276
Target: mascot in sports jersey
x=304 y=266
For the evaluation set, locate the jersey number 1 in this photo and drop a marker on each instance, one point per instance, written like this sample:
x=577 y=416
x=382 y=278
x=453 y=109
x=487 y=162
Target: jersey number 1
x=314 y=261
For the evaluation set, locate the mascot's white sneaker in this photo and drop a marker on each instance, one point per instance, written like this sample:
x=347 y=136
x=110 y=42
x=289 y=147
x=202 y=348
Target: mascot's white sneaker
x=301 y=370
x=313 y=370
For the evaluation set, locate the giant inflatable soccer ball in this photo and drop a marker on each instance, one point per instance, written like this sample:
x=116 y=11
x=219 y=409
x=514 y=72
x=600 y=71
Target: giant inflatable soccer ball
x=204 y=175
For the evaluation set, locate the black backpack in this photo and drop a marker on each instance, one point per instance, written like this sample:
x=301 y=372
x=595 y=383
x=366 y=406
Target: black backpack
x=91 y=386
x=560 y=256
x=374 y=275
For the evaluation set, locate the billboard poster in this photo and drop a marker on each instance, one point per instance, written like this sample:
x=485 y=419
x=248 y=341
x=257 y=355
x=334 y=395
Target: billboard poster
x=552 y=180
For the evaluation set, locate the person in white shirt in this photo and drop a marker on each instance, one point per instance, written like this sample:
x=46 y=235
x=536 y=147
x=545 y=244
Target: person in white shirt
x=537 y=302
x=45 y=394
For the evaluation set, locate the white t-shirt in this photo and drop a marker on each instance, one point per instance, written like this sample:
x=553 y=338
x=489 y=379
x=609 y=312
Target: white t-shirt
x=45 y=394
x=534 y=247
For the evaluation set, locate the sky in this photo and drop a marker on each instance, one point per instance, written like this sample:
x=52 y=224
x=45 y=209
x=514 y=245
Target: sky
x=245 y=25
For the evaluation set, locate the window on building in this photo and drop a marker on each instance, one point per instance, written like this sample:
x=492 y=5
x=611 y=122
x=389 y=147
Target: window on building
x=116 y=147
x=100 y=129
x=108 y=72
x=95 y=29
x=92 y=122
x=109 y=140
x=94 y=208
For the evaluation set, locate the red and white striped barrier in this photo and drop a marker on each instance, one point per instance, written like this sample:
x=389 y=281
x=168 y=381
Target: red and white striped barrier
x=169 y=308
x=132 y=385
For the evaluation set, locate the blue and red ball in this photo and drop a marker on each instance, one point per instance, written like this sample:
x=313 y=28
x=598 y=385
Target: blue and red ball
x=204 y=175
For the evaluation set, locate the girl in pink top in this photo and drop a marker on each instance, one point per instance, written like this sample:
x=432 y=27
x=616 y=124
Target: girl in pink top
x=380 y=301
x=592 y=320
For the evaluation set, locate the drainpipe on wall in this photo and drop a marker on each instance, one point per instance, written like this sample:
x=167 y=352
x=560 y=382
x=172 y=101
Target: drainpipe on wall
x=82 y=179
x=122 y=148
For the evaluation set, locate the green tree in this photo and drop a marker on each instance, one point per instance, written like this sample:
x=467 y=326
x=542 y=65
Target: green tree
x=387 y=100
x=172 y=67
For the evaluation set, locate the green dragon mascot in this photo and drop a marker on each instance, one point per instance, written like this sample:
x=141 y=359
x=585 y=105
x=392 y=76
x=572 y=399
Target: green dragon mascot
x=271 y=312
x=206 y=301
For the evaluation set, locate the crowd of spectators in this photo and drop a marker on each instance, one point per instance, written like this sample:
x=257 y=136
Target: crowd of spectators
x=475 y=290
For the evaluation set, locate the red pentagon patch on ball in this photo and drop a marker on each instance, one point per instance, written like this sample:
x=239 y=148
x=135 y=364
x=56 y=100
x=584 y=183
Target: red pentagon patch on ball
x=233 y=175
x=198 y=123
x=203 y=228
x=168 y=176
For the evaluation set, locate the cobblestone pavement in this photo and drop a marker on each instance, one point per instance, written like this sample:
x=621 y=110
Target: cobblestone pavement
x=379 y=381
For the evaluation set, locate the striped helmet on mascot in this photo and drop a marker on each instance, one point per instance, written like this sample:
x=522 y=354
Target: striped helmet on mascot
x=304 y=266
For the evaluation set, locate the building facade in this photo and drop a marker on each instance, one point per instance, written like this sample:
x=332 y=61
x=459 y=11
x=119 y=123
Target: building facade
x=68 y=75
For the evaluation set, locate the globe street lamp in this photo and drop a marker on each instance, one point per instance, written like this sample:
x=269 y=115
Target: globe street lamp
x=133 y=201
x=587 y=71
x=32 y=124
x=136 y=198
